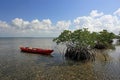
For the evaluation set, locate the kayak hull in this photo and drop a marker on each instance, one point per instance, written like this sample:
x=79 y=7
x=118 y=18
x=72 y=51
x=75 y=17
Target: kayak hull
x=36 y=50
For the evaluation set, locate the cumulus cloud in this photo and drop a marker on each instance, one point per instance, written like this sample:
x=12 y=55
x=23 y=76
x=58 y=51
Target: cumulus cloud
x=61 y=25
x=20 y=24
x=98 y=21
x=41 y=25
x=95 y=21
x=4 y=27
x=36 y=26
x=94 y=13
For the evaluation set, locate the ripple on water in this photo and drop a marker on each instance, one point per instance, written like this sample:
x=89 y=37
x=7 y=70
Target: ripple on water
x=15 y=65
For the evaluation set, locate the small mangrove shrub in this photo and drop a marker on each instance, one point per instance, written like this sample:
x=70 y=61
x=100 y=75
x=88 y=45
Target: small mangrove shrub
x=81 y=43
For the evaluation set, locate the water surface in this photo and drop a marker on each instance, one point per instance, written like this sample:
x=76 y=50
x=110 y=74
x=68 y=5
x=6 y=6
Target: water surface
x=15 y=65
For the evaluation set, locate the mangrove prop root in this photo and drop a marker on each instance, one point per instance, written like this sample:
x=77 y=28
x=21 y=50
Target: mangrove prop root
x=79 y=54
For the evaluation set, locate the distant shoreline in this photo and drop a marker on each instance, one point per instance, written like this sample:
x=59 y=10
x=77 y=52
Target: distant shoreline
x=28 y=37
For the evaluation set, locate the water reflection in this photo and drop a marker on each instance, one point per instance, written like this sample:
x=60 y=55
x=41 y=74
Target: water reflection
x=102 y=55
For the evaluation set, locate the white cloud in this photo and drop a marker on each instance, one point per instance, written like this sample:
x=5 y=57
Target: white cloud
x=62 y=25
x=98 y=21
x=41 y=25
x=87 y=22
x=117 y=12
x=20 y=24
x=94 y=13
x=95 y=21
x=36 y=27
x=3 y=24
x=4 y=27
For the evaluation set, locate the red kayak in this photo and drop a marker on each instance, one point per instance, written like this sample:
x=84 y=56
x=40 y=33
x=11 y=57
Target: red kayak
x=36 y=50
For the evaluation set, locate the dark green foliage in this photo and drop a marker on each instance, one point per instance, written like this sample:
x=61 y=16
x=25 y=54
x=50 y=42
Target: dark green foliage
x=105 y=36
x=82 y=37
x=104 y=39
x=78 y=38
x=80 y=41
x=63 y=37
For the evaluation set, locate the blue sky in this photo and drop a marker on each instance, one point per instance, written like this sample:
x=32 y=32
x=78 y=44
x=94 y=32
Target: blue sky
x=42 y=18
